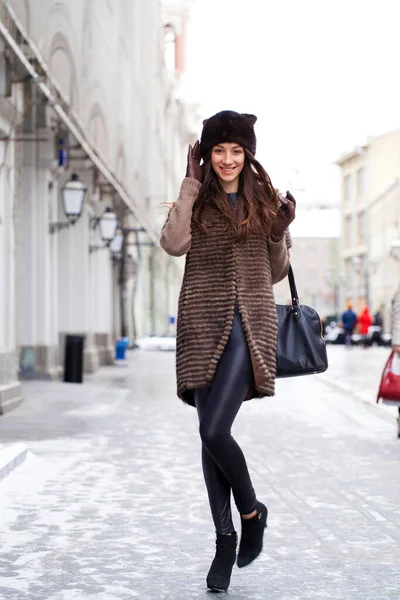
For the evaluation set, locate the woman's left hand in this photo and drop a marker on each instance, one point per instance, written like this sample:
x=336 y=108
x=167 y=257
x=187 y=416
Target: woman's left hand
x=285 y=216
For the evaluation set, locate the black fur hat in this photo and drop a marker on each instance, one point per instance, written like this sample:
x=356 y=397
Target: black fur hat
x=228 y=126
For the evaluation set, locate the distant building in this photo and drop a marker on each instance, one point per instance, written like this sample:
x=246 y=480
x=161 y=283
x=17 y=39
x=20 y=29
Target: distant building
x=315 y=264
x=370 y=249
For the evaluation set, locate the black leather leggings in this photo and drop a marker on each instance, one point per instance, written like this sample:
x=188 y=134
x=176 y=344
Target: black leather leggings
x=224 y=465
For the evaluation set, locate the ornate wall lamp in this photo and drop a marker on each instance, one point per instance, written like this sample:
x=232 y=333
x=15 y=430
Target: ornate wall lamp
x=117 y=244
x=108 y=224
x=73 y=196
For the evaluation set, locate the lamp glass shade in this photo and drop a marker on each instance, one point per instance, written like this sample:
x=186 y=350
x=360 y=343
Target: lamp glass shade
x=116 y=244
x=108 y=225
x=73 y=196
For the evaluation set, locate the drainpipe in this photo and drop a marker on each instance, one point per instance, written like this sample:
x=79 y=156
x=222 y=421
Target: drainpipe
x=122 y=289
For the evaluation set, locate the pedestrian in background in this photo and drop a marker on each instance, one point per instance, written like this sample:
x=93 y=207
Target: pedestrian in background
x=232 y=224
x=364 y=323
x=349 y=321
x=378 y=326
x=396 y=335
x=378 y=318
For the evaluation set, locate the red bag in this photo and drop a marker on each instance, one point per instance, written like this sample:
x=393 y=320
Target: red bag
x=389 y=388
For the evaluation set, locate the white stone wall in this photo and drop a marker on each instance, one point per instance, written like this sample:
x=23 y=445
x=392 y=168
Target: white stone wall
x=107 y=59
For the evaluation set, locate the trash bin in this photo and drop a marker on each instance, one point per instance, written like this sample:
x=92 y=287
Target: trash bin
x=73 y=362
x=120 y=348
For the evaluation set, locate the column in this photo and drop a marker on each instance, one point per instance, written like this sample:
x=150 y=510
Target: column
x=10 y=387
x=101 y=287
x=74 y=283
x=37 y=252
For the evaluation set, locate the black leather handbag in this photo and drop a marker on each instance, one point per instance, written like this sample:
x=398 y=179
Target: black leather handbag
x=301 y=346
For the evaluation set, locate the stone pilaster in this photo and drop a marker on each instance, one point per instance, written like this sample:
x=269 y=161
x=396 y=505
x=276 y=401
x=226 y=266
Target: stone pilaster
x=37 y=254
x=10 y=387
x=105 y=346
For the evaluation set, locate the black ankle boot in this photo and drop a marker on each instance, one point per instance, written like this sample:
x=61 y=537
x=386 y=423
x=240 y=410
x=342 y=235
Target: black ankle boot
x=251 y=541
x=219 y=575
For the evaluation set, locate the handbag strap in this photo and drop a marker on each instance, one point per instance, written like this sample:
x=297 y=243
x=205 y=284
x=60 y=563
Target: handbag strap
x=293 y=289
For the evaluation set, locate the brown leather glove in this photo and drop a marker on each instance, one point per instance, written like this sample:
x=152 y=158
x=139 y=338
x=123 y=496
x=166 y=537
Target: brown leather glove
x=285 y=216
x=193 y=169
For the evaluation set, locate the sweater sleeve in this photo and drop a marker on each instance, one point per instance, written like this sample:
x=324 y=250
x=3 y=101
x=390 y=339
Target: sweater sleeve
x=280 y=257
x=176 y=232
x=396 y=319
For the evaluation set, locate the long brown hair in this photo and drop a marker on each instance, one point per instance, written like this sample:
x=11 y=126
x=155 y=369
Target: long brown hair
x=257 y=200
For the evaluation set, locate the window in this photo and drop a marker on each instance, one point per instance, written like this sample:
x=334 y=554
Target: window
x=347 y=189
x=346 y=276
x=361 y=224
x=347 y=232
x=360 y=182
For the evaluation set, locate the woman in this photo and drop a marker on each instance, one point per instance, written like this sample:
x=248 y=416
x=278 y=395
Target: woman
x=396 y=336
x=364 y=323
x=349 y=320
x=232 y=225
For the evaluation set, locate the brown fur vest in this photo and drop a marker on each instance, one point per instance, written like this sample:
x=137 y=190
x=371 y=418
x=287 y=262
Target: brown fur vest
x=217 y=267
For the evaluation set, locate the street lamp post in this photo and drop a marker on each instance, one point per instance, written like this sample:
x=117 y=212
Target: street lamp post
x=118 y=248
x=116 y=240
x=123 y=292
x=362 y=268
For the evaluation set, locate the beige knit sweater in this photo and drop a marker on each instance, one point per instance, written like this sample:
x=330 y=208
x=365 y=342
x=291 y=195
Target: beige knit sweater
x=217 y=269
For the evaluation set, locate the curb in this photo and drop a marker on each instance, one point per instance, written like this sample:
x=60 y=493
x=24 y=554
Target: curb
x=374 y=407
x=11 y=457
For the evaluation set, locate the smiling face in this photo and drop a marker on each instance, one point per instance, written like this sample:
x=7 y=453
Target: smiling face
x=227 y=160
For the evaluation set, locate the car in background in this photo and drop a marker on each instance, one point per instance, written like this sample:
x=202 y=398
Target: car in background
x=334 y=334
x=155 y=342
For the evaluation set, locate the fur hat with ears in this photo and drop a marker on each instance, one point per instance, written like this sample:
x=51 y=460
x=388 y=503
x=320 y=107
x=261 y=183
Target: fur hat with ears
x=228 y=126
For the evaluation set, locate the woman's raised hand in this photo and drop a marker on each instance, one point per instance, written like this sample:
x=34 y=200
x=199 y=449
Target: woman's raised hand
x=285 y=216
x=193 y=169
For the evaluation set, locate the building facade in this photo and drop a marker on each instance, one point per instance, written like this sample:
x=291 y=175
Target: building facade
x=86 y=89
x=370 y=247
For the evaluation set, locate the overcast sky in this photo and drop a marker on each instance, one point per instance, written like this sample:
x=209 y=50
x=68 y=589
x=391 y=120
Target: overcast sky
x=320 y=75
